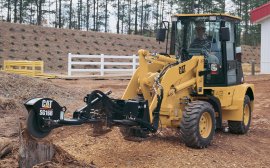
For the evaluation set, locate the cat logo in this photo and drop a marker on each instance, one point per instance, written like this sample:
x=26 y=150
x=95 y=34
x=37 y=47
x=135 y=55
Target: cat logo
x=46 y=104
x=182 y=69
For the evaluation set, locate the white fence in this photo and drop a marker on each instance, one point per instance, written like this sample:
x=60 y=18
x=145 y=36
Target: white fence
x=105 y=60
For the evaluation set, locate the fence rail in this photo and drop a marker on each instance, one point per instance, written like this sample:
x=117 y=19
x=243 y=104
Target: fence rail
x=104 y=60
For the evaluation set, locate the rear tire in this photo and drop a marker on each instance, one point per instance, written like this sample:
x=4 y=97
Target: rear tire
x=198 y=124
x=33 y=126
x=241 y=127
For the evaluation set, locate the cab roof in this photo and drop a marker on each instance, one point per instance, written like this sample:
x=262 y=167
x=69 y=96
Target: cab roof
x=209 y=14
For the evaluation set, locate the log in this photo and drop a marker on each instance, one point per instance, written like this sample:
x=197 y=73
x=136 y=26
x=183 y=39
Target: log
x=33 y=151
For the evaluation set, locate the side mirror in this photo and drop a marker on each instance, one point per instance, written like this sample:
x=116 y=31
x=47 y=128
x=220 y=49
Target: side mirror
x=161 y=35
x=224 y=34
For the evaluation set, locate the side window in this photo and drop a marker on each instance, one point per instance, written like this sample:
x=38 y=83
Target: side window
x=230 y=44
x=231 y=67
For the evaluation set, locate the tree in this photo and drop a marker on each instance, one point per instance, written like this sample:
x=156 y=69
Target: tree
x=60 y=14
x=118 y=16
x=142 y=18
x=79 y=14
x=70 y=14
x=21 y=11
x=156 y=13
x=94 y=15
x=106 y=15
x=129 y=16
x=87 y=14
x=97 y=16
x=9 y=11
x=136 y=17
x=15 y=10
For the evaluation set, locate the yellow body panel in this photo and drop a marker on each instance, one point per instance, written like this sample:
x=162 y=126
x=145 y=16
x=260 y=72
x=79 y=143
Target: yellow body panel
x=232 y=100
x=178 y=83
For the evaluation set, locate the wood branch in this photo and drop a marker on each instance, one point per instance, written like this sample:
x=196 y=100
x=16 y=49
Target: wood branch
x=5 y=146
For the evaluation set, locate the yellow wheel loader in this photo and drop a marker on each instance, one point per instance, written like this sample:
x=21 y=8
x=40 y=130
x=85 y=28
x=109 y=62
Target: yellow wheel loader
x=196 y=86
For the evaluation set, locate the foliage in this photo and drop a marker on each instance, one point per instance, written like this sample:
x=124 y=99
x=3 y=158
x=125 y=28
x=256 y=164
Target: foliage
x=124 y=16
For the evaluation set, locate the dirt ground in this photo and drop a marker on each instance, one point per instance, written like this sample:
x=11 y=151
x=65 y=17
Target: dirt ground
x=160 y=150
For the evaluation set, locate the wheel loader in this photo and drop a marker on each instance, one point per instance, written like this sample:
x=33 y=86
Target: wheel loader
x=196 y=86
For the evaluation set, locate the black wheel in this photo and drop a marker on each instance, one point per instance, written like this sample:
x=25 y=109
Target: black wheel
x=34 y=126
x=198 y=124
x=241 y=127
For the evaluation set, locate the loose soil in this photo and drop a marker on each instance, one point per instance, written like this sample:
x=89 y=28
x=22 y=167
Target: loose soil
x=112 y=150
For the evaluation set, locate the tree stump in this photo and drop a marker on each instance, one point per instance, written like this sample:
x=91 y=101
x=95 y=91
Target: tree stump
x=32 y=151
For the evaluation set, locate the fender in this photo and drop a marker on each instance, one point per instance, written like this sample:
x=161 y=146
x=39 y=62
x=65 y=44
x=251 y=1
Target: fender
x=235 y=111
x=45 y=108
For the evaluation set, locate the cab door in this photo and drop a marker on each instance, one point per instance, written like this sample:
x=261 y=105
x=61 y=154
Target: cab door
x=234 y=68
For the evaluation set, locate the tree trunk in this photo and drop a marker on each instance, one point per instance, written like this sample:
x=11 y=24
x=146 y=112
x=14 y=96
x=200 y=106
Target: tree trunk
x=142 y=18
x=97 y=19
x=94 y=15
x=157 y=17
x=70 y=15
x=129 y=16
x=162 y=11
x=56 y=9
x=79 y=14
x=15 y=10
x=146 y=16
x=60 y=14
x=122 y=17
x=87 y=15
x=9 y=11
x=118 y=16
x=38 y=16
x=21 y=10
x=106 y=14
x=136 y=17
x=32 y=151
x=40 y=12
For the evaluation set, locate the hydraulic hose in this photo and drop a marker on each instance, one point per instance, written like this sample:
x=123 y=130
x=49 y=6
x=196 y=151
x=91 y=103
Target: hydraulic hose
x=156 y=111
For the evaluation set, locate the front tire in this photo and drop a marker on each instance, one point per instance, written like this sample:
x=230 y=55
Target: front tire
x=198 y=124
x=241 y=127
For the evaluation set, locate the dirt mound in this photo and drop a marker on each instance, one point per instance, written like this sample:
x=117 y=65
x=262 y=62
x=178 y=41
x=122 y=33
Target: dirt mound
x=28 y=42
x=16 y=90
x=8 y=104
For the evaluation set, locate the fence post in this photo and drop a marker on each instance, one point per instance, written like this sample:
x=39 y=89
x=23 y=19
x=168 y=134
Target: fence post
x=102 y=65
x=134 y=63
x=252 y=67
x=69 y=63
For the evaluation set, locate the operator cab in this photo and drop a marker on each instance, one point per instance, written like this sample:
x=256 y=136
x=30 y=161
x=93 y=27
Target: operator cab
x=214 y=37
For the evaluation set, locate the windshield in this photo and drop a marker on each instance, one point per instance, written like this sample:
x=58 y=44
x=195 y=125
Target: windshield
x=197 y=36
